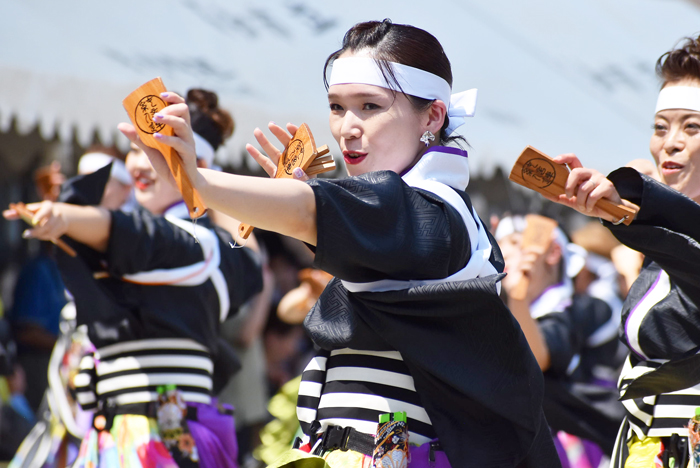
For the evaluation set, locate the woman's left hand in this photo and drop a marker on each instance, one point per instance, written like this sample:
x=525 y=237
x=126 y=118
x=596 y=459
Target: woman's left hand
x=585 y=187
x=270 y=162
x=48 y=222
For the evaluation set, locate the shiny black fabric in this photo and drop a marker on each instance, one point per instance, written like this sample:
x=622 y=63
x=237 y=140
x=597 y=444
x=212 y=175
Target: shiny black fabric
x=117 y=311
x=377 y=227
x=666 y=230
x=470 y=362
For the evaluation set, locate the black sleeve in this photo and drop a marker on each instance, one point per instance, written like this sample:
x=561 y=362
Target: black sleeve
x=140 y=241
x=374 y=227
x=242 y=268
x=567 y=332
x=666 y=229
x=562 y=339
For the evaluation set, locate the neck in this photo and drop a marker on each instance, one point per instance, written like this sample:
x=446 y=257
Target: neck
x=539 y=283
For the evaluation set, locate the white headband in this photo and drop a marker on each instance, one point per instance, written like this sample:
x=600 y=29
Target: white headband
x=679 y=97
x=91 y=162
x=573 y=255
x=204 y=150
x=413 y=81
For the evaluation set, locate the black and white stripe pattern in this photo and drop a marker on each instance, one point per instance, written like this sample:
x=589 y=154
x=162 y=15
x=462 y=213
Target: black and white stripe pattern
x=351 y=388
x=658 y=415
x=131 y=372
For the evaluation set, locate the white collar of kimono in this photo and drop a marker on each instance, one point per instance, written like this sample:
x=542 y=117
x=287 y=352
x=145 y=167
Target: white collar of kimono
x=679 y=97
x=556 y=298
x=442 y=163
x=177 y=210
x=413 y=81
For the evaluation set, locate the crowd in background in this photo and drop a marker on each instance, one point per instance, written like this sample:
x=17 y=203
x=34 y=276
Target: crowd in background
x=267 y=335
x=565 y=285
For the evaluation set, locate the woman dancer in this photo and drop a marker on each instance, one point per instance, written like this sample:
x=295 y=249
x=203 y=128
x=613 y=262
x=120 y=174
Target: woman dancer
x=152 y=297
x=412 y=320
x=658 y=385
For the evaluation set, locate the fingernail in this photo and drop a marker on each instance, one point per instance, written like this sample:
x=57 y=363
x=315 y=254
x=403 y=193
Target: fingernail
x=158 y=116
x=272 y=122
x=157 y=136
x=164 y=94
x=298 y=173
x=26 y=234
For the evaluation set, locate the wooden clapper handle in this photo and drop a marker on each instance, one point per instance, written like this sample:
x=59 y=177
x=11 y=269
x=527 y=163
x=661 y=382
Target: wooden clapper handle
x=141 y=105
x=27 y=216
x=300 y=152
x=537 y=171
x=538 y=233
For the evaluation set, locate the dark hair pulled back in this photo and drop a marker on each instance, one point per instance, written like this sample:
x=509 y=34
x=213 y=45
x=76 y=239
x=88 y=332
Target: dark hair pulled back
x=400 y=43
x=681 y=62
x=211 y=122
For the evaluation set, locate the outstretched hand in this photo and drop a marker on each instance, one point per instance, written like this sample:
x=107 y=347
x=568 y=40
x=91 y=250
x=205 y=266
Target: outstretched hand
x=47 y=222
x=177 y=116
x=270 y=159
x=584 y=188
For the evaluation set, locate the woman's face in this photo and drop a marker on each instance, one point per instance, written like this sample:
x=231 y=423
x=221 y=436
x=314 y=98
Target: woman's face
x=375 y=128
x=675 y=146
x=152 y=192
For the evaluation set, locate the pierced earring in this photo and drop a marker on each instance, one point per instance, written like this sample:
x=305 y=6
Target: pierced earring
x=427 y=137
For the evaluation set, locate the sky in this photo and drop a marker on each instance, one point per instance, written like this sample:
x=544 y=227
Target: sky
x=561 y=76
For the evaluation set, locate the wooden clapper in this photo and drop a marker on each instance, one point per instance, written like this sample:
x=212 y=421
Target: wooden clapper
x=141 y=105
x=537 y=171
x=538 y=233
x=300 y=152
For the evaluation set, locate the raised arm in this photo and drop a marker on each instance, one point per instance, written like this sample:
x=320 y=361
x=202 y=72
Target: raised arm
x=286 y=206
x=89 y=225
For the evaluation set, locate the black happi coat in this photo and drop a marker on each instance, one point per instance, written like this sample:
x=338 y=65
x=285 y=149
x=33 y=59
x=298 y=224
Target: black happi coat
x=666 y=230
x=660 y=317
x=470 y=362
x=116 y=310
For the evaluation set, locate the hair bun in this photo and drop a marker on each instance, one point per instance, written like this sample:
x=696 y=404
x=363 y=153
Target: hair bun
x=681 y=62
x=209 y=120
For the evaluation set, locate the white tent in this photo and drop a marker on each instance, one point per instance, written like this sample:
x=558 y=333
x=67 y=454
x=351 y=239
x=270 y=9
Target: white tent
x=562 y=76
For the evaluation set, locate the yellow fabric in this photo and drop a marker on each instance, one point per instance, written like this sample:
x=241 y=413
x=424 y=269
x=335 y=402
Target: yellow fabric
x=334 y=459
x=297 y=459
x=643 y=453
x=4 y=390
x=347 y=459
x=279 y=434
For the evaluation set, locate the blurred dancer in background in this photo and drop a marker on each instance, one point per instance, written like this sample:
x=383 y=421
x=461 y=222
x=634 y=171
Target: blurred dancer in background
x=152 y=297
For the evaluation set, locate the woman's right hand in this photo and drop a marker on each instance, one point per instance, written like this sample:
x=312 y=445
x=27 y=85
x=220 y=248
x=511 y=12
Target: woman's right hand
x=584 y=187
x=177 y=116
x=270 y=160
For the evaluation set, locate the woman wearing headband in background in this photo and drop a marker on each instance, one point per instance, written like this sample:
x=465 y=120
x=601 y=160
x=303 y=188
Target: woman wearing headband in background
x=574 y=338
x=153 y=297
x=412 y=320
x=659 y=386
